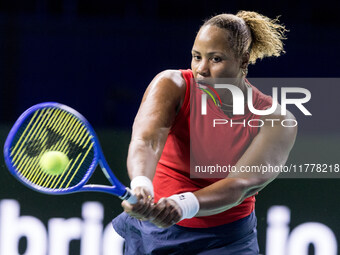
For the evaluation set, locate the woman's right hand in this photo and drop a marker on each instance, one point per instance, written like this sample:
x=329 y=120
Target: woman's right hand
x=163 y=214
x=142 y=209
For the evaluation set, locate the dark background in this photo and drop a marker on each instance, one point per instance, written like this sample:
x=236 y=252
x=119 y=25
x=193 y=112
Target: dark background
x=99 y=56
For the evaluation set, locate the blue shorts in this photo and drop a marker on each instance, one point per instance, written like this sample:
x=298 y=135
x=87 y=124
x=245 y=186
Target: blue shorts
x=142 y=237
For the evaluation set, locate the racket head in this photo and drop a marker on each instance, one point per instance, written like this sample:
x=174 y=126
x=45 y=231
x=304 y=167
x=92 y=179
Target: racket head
x=52 y=127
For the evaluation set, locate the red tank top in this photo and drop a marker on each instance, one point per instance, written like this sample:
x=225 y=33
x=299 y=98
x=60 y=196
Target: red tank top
x=227 y=144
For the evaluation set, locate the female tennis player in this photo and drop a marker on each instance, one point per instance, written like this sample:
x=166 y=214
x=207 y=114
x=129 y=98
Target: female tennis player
x=177 y=214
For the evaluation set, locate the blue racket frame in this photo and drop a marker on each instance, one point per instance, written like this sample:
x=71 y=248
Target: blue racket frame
x=117 y=188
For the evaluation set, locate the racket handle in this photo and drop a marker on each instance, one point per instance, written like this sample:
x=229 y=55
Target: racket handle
x=129 y=196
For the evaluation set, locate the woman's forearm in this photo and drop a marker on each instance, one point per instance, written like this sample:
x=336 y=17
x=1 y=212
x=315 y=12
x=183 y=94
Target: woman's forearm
x=223 y=195
x=142 y=159
x=153 y=122
x=270 y=147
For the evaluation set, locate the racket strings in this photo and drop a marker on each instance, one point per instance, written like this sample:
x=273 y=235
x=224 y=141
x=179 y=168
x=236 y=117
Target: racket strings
x=18 y=150
x=53 y=129
x=42 y=136
x=31 y=164
x=39 y=138
x=57 y=144
x=48 y=178
x=21 y=159
x=63 y=178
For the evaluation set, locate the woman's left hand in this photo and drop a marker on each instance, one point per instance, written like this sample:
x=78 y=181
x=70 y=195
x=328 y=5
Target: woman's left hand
x=165 y=213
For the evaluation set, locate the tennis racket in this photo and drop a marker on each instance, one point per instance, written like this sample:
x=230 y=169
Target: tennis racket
x=56 y=127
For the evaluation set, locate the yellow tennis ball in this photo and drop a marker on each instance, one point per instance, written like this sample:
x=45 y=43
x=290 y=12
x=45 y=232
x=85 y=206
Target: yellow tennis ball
x=54 y=162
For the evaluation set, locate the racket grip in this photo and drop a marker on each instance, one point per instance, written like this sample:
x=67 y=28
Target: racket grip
x=129 y=196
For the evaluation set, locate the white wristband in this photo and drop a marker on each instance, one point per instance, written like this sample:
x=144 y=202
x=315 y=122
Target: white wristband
x=142 y=181
x=188 y=203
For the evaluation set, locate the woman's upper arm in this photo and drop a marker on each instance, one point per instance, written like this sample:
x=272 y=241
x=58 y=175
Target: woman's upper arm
x=271 y=146
x=160 y=104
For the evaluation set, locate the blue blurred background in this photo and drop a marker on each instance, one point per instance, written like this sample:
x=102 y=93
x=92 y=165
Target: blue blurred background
x=99 y=56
